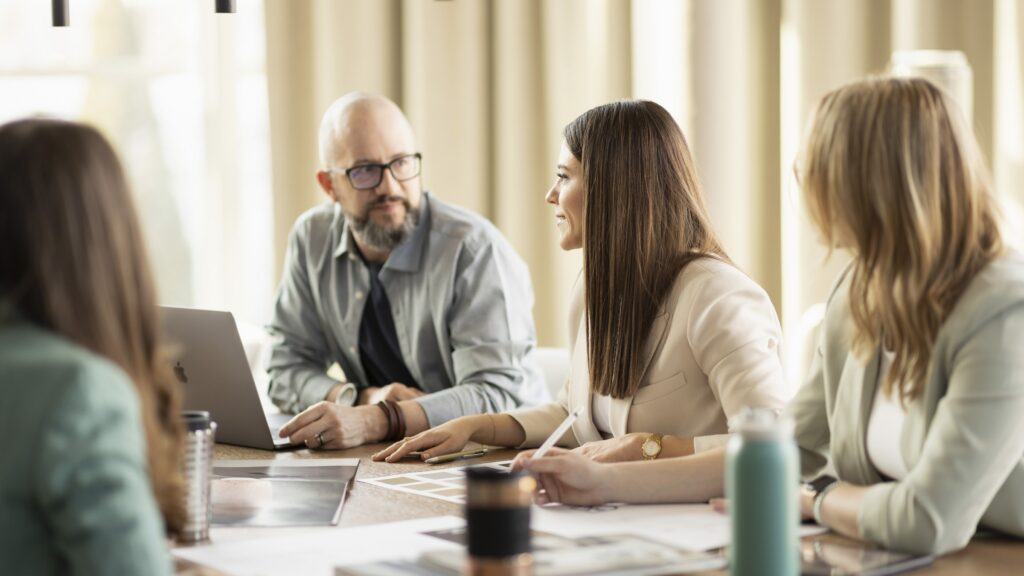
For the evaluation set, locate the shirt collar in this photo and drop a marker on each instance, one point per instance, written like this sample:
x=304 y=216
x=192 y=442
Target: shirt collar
x=407 y=256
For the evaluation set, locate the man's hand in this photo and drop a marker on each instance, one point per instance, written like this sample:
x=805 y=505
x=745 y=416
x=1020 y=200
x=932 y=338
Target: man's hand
x=622 y=449
x=331 y=426
x=395 y=391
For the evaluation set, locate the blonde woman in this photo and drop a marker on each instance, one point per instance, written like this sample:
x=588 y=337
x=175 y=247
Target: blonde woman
x=668 y=338
x=916 y=395
x=917 y=391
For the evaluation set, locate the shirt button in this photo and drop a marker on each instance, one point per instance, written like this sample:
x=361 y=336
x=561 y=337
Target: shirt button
x=359 y=295
x=352 y=257
x=352 y=350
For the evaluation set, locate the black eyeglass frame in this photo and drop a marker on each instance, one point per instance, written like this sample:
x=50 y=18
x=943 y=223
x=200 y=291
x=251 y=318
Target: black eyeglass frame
x=380 y=178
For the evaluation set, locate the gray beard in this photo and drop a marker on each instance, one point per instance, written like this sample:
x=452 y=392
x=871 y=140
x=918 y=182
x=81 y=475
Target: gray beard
x=381 y=238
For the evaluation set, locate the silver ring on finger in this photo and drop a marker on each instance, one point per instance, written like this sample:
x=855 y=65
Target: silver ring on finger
x=320 y=439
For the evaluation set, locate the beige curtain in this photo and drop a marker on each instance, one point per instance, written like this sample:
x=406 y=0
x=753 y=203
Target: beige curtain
x=489 y=84
x=826 y=44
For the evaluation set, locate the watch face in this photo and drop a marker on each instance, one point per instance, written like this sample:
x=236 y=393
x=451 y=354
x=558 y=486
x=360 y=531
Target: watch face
x=650 y=447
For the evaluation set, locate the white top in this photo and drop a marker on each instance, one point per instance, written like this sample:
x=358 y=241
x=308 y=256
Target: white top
x=602 y=408
x=885 y=427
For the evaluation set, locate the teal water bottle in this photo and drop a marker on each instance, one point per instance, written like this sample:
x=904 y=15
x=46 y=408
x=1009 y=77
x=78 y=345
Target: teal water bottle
x=762 y=485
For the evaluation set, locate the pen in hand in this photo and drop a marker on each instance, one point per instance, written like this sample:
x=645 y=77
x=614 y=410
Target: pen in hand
x=464 y=455
x=558 y=433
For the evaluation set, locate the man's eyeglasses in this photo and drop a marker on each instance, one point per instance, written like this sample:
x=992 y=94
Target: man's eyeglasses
x=367 y=176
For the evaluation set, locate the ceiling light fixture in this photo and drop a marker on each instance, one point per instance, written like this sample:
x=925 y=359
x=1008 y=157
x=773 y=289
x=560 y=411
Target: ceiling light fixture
x=223 y=6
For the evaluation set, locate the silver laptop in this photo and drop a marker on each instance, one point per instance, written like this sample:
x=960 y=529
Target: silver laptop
x=210 y=363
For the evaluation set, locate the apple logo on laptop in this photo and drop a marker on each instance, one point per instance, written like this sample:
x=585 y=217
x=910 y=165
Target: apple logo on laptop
x=179 y=372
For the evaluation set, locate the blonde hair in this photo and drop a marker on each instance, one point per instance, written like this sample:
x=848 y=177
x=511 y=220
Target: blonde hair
x=892 y=172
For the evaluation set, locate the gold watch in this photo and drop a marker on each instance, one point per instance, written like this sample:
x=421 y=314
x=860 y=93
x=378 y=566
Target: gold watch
x=651 y=447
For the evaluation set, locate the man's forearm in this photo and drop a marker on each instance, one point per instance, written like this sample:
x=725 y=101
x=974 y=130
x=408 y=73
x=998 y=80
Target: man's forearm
x=415 y=417
x=465 y=400
x=295 y=389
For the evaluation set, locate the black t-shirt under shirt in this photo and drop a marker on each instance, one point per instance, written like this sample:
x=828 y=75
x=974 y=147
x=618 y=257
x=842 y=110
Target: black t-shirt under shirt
x=378 y=340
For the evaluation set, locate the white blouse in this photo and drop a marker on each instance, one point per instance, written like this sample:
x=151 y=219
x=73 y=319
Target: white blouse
x=885 y=427
x=602 y=409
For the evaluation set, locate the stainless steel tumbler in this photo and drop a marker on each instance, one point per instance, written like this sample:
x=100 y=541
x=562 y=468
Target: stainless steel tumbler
x=197 y=469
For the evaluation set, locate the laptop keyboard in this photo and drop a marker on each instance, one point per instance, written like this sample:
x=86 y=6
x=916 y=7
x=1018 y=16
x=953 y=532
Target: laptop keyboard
x=274 y=422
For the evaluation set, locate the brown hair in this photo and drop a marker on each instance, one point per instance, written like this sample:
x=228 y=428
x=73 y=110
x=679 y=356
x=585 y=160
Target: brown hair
x=892 y=172
x=73 y=262
x=643 y=221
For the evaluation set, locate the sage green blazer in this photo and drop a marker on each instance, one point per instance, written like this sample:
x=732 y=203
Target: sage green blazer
x=75 y=497
x=962 y=439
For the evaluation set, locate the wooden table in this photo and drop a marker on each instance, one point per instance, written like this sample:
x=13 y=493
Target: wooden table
x=368 y=504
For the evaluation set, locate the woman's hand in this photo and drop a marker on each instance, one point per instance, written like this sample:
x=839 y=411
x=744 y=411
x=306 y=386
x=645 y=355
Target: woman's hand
x=622 y=449
x=449 y=437
x=565 y=477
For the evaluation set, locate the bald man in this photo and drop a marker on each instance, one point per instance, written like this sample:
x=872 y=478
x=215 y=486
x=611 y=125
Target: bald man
x=424 y=306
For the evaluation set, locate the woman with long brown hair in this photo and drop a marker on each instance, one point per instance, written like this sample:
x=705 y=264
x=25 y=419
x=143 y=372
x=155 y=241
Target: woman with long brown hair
x=668 y=339
x=89 y=477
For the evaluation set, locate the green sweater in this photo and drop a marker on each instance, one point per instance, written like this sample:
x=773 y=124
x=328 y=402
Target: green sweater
x=75 y=497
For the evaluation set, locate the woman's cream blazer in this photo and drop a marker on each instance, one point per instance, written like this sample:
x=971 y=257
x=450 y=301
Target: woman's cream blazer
x=714 y=348
x=962 y=439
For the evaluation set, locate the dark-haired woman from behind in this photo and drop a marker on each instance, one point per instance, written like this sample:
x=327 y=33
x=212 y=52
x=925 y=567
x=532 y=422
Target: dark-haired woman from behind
x=668 y=339
x=89 y=475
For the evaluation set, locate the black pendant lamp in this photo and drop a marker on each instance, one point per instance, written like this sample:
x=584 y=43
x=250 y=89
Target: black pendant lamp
x=61 y=16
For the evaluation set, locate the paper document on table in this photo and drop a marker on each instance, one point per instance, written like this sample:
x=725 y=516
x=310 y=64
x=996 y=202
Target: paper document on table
x=685 y=526
x=606 y=555
x=448 y=484
x=316 y=552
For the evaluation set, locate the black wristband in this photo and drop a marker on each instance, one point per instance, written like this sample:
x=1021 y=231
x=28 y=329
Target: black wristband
x=392 y=420
x=399 y=418
x=817 y=485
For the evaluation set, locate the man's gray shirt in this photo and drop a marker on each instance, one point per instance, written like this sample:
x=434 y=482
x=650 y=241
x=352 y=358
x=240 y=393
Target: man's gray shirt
x=461 y=299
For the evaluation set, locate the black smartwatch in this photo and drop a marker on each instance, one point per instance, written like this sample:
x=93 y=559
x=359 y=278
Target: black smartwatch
x=820 y=486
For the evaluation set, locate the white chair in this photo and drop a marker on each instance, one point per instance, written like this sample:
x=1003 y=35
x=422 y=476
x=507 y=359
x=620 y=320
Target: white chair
x=809 y=332
x=554 y=365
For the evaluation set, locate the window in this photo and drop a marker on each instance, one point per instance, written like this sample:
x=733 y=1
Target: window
x=181 y=92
